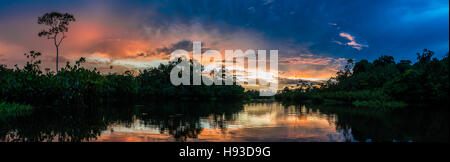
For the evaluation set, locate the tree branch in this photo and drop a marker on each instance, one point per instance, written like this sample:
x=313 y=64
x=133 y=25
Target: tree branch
x=62 y=38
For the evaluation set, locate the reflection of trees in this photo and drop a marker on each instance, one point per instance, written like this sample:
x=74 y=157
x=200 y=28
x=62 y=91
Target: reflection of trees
x=401 y=125
x=61 y=124
x=182 y=120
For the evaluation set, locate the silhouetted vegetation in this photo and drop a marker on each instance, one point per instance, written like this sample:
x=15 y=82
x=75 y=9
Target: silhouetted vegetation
x=254 y=96
x=13 y=110
x=57 y=24
x=154 y=84
x=382 y=83
x=77 y=85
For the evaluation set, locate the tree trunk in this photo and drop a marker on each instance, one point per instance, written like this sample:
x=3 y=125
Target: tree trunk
x=57 y=55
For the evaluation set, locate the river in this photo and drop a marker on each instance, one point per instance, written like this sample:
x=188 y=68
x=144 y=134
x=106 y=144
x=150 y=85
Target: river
x=230 y=122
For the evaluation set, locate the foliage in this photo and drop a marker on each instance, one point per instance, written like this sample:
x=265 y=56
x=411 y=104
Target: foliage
x=154 y=84
x=254 y=95
x=382 y=83
x=13 y=110
x=77 y=85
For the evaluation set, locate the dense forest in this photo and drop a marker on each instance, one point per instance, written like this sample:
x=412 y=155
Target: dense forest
x=75 y=84
x=382 y=83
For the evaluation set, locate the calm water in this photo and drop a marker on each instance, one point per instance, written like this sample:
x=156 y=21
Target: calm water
x=225 y=122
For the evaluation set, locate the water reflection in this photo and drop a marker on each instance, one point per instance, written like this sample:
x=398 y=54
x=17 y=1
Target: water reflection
x=224 y=122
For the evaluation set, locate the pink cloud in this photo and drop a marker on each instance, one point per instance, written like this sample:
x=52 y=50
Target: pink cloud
x=352 y=42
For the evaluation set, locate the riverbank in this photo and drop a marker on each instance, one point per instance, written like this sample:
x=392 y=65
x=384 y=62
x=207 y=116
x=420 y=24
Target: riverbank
x=365 y=98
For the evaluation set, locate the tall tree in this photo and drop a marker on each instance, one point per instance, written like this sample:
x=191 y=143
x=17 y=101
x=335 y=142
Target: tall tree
x=425 y=57
x=58 y=25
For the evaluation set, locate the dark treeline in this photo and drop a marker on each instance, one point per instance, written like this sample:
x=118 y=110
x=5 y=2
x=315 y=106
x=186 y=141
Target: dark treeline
x=382 y=83
x=75 y=84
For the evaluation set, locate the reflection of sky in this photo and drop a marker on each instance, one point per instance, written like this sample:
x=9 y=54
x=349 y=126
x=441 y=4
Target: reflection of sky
x=311 y=36
x=256 y=122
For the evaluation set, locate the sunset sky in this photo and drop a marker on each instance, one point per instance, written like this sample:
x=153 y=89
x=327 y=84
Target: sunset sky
x=314 y=38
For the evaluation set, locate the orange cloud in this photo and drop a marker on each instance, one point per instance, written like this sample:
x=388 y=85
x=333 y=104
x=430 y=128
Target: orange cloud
x=309 y=66
x=302 y=60
x=323 y=74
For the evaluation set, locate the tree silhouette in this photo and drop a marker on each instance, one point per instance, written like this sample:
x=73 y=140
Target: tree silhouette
x=58 y=25
x=425 y=57
x=384 y=60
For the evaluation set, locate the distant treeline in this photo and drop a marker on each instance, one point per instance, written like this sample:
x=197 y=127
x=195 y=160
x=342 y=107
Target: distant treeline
x=75 y=84
x=382 y=83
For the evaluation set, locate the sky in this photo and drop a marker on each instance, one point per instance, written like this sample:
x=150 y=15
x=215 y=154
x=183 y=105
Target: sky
x=314 y=37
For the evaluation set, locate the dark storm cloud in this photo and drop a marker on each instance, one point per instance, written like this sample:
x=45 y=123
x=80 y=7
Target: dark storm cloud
x=395 y=27
x=181 y=45
x=165 y=52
